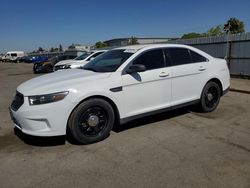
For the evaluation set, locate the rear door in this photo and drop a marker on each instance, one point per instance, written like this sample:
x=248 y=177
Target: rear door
x=188 y=68
x=150 y=90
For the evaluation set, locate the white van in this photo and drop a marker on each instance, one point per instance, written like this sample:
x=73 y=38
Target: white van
x=13 y=55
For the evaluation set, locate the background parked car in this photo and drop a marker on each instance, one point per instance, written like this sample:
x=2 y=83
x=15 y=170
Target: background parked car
x=31 y=59
x=24 y=59
x=44 y=67
x=79 y=61
x=1 y=57
x=38 y=59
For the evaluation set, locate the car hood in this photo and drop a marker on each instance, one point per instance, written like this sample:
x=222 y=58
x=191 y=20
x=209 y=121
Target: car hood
x=78 y=64
x=58 y=81
x=66 y=62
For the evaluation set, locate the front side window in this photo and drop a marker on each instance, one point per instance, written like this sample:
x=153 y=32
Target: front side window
x=108 y=62
x=179 y=56
x=151 y=60
x=13 y=55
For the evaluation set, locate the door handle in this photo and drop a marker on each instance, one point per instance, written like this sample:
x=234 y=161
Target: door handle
x=163 y=74
x=202 y=69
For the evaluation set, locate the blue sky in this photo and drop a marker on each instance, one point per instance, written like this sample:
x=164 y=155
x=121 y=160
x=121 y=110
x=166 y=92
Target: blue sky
x=26 y=25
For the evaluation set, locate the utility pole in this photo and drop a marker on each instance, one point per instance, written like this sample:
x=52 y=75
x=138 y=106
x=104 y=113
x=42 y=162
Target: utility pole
x=228 y=49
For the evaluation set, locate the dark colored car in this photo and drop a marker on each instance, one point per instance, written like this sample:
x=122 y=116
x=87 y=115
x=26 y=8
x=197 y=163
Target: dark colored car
x=45 y=67
x=24 y=59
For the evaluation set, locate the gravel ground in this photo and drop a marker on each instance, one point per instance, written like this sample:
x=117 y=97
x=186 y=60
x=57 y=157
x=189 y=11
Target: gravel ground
x=181 y=148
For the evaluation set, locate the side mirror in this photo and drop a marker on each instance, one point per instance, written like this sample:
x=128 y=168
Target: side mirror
x=136 y=68
x=91 y=58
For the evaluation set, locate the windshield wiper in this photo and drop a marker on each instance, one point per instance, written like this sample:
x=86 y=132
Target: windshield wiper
x=89 y=68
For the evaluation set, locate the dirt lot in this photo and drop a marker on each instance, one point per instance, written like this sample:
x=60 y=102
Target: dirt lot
x=177 y=149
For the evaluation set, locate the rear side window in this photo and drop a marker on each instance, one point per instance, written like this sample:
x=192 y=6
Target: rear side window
x=179 y=56
x=197 y=57
x=151 y=60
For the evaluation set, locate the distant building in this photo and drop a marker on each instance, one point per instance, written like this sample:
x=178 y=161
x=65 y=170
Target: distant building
x=127 y=41
x=79 y=47
x=73 y=49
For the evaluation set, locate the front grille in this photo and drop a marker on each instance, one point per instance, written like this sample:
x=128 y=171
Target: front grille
x=17 y=102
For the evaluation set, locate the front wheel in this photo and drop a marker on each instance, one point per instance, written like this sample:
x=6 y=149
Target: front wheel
x=91 y=121
x=210 y=97
x=48 y=68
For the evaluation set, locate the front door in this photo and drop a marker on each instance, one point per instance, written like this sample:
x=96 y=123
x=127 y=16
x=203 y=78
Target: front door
x=150 y=90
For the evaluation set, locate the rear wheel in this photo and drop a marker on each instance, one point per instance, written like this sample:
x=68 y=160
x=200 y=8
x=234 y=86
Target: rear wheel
x=210 y=97
x=91 y=121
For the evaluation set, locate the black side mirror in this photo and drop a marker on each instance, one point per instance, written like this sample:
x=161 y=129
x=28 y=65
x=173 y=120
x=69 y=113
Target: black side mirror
x=136 y=68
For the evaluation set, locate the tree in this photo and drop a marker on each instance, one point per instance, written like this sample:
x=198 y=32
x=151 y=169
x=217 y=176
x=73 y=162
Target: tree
x=133 y=41
x=192 y=35
x=100 y=44
x=52 y=49
x=215 y=31
x=72 y=46
x=40 y=49
x=234 y=26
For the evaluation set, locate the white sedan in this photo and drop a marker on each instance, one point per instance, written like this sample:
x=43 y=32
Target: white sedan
x=78 y=61
x=120 y=85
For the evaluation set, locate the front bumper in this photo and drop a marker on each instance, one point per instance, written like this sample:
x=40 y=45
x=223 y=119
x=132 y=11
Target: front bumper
x=42 y=120
x=226 y=91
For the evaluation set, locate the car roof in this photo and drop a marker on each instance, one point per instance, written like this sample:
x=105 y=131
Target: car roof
x=149 y=46
x=136 y=48
x=98 y=51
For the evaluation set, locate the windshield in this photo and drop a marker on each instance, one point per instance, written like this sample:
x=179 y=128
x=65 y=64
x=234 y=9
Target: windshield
x=108 y=62
x=83 y=56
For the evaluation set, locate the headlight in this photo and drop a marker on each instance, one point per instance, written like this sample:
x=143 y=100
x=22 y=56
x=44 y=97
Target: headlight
x=65 y=67
x=49 y=98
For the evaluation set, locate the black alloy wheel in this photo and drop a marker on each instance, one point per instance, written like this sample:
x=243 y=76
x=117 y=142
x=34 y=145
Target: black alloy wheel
x=91 y=121
x=210 y=97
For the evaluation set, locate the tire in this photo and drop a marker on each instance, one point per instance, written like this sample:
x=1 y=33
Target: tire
x=48 y=68
x=35 y=71
x=210 y=97
x=91 y=121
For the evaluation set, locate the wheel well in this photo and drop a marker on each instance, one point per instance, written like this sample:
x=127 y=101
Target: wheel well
x=116 y=111
x=217 y=81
